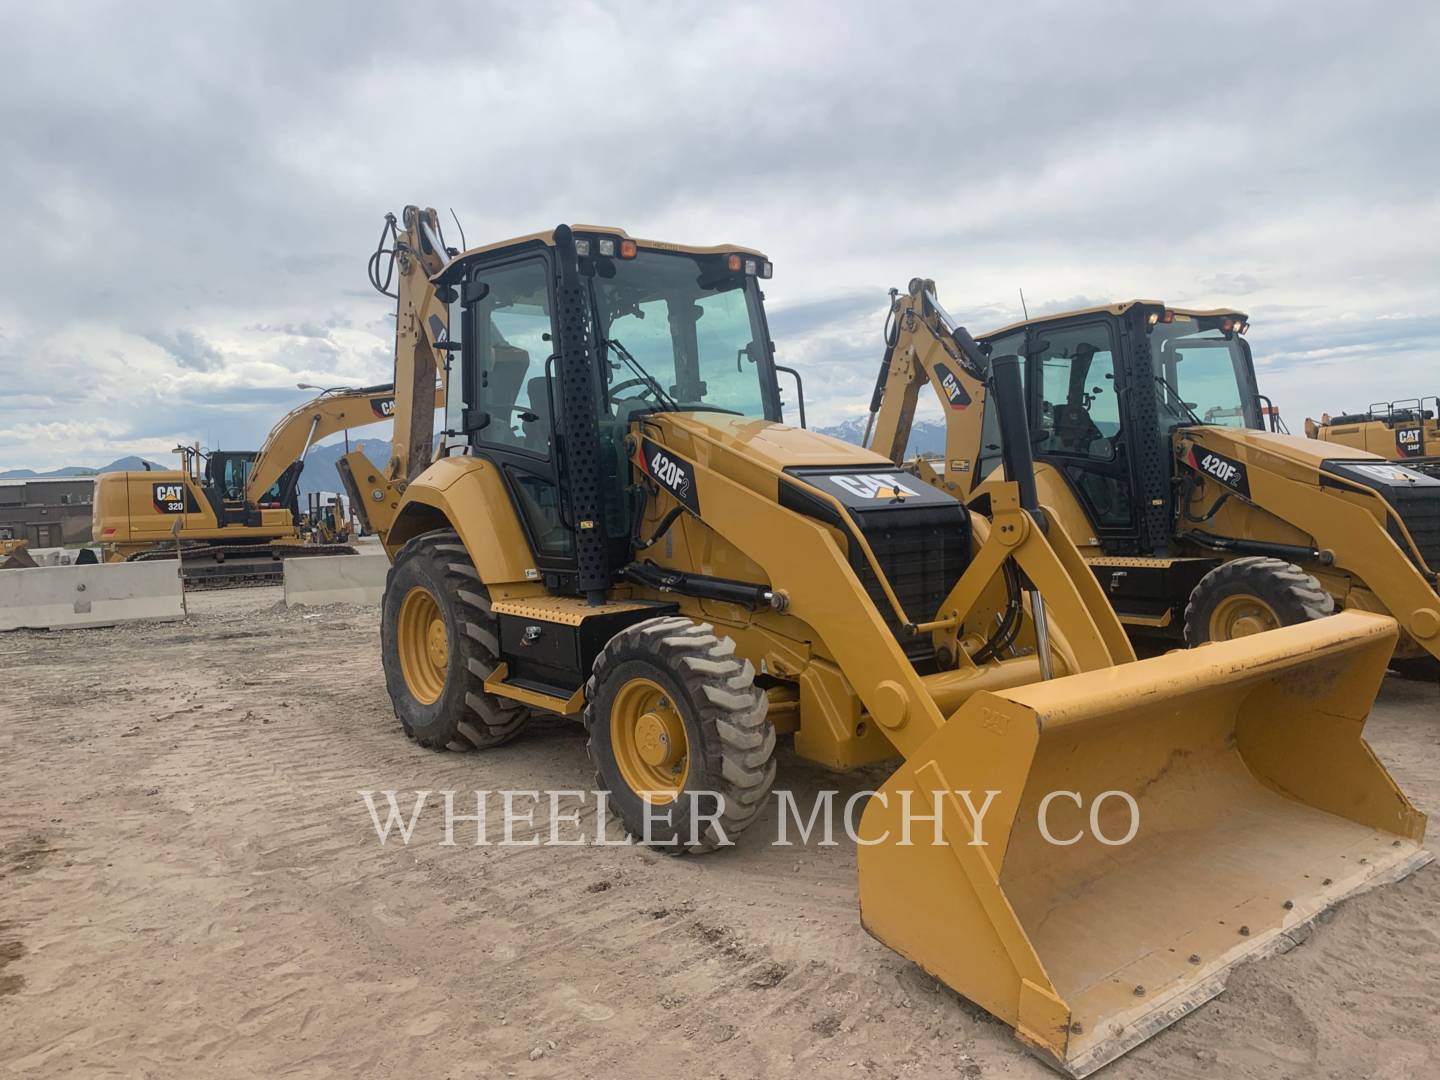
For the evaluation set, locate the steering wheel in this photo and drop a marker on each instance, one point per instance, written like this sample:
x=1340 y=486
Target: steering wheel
x=648 y=390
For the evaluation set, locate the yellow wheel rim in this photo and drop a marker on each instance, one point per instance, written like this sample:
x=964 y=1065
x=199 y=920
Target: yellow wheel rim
x=1241 y=616
x=648 y=736
x=423 y=645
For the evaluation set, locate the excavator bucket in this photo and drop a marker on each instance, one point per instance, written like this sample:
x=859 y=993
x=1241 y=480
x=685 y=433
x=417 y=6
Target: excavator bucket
x=1153 y=825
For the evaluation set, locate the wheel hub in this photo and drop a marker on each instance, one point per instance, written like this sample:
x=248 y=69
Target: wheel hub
x=648 y=737
x=423 y=645
x=437 y=644
x=657 y=739
x=1241 y=616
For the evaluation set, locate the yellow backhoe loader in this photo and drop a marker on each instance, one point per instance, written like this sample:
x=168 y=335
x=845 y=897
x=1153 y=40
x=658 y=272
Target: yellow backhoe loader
x=1148 y=433
x=621 y=529
x=233 y=516
x=1407 y=431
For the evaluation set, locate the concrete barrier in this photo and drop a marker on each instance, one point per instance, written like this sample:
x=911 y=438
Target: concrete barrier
x=65 y=597
x=335 y=579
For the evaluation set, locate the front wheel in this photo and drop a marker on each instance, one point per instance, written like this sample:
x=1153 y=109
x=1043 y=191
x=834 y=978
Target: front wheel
x=679 y=735
x=1251 y=595
x=438 y=643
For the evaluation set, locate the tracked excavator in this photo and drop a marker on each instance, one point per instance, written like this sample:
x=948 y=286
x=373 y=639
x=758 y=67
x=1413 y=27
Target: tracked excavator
x=1406 y=430
x=232 y=516
x=1152 y=449
x=619 y=528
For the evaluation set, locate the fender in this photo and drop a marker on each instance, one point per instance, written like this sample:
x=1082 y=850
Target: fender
x=468 y=495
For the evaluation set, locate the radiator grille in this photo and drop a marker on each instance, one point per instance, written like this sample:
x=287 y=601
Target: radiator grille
x=922 y=553
x=1420 y=511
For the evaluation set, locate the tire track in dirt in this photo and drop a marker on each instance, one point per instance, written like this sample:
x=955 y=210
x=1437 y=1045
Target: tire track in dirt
x=213 y=900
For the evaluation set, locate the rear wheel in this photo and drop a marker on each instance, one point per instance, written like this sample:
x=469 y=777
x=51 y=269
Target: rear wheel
x=438 y=643
x=678 y=734
x=1251 y=595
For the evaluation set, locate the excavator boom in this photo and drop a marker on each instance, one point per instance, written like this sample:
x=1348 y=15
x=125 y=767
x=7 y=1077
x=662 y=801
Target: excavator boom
x=303 y=426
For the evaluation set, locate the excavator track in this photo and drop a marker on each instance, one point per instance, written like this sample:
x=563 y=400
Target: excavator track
x=238 y=566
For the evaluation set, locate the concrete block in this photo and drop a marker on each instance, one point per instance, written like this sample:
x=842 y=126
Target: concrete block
x=335 y=579
x=66 y=597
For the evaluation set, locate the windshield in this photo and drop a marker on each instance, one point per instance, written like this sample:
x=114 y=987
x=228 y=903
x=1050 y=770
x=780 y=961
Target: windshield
x=682 y=333
x=1208 y=368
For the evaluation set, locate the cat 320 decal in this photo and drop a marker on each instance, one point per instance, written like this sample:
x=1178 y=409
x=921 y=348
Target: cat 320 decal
x=1218 y=467
x=171 y=498
x=672 y=473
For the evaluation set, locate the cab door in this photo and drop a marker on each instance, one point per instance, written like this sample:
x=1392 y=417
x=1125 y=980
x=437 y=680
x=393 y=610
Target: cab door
x=1077 y=422
x=508 y=341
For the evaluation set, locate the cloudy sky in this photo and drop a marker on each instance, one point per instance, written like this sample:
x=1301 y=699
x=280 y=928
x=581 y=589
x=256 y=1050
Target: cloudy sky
x=192 y=190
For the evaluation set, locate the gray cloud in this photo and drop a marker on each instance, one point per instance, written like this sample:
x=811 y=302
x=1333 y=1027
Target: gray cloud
x=189 y=349
x=226 y=174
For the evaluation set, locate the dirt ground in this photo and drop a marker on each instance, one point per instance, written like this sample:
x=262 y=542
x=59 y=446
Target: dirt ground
x=190 y=885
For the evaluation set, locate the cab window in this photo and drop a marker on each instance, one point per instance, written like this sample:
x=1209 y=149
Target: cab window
x=1079 y=409
x=510 y=329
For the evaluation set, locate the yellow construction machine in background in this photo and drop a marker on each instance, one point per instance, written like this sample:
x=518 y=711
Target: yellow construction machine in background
x=1407 y=431
x=1148 y=431
x=621 y=529
x=15 y=554
x=232 y=515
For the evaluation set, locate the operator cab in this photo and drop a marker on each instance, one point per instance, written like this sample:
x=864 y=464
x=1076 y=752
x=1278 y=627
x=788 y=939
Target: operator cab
x=656 y=327
x=1105 y=389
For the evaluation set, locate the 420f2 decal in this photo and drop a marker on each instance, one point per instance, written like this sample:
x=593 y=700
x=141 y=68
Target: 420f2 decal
x=674 y=474
x=1224 y=470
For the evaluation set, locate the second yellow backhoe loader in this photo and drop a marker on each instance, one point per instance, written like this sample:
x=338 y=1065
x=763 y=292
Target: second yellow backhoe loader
x=621 y=529
x=1407 y=431
x=233 y=516
x=1147 y=427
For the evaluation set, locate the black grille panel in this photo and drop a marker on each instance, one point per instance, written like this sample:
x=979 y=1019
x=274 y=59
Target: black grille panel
x=922 y=553
x=1420 y=511
x=1413 y=493
x=920 y=536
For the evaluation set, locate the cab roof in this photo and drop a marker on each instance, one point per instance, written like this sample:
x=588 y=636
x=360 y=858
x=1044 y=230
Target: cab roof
x=1120 y=307
x=547 y=237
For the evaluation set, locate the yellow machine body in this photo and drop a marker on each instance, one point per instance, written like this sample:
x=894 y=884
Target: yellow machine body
x=136 y=512
x=234 y=497
x=1401 y=430
x=1367 y=530
x=1258 y=802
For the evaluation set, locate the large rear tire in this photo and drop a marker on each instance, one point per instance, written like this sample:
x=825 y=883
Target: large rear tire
x=1251 y=595
x=678 y=734
x=438 y=643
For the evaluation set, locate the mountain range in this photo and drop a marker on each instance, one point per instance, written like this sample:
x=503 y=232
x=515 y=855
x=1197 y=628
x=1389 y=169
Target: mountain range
x=129 y=463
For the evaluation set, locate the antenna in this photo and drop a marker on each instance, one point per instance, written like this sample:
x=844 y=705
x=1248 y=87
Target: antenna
x=1023 y=308
x=463 y=245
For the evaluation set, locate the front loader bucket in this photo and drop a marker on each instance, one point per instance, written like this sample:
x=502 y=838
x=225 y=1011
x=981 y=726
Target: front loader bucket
x=1257 y=806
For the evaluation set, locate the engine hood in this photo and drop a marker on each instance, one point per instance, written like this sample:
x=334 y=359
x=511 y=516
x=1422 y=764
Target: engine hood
x=778 y=446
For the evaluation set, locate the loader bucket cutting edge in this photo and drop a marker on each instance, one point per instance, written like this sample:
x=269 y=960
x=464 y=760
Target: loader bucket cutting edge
x=1259 y=806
